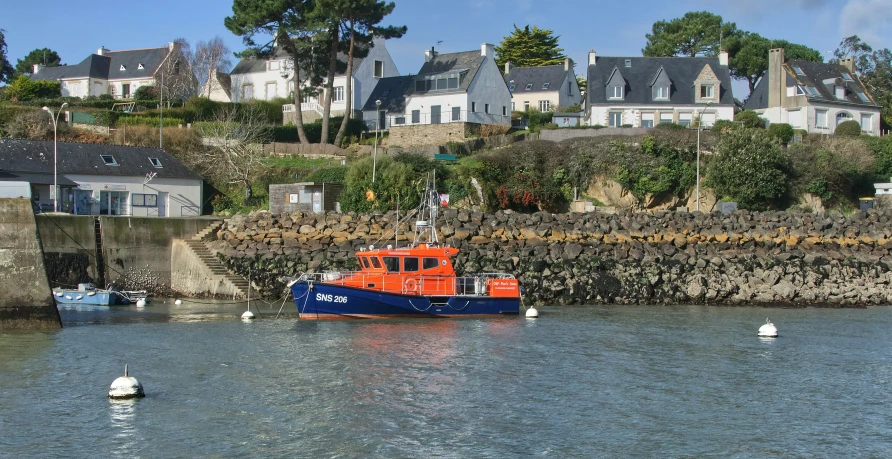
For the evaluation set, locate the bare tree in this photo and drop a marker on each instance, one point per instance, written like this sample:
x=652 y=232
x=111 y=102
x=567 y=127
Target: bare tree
x=174 y=76
x=235 y=145
x=210 y=56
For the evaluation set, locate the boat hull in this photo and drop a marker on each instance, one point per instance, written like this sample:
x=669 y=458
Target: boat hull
x=321 y=301
x=96 y=299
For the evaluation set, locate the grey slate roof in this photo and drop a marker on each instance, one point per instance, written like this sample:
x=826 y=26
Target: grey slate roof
x=683 y=71
x=35 y=178
x=36 y=157
x=392 y=93
x=815 y=74
x=469 y=61
x=255 y=65
x=554 y=75
x=108 y=66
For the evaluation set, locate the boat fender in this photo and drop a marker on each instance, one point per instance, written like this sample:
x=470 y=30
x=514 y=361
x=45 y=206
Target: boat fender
x=411 y=286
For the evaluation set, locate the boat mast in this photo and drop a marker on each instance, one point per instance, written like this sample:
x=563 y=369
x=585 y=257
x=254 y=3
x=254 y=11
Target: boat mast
x=425 y=229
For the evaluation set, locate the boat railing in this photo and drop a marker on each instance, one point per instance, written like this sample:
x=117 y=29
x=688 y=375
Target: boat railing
x=470 y=285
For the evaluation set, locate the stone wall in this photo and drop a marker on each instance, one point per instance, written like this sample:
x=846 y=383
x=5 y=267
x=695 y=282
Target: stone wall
x=427 y=134
x=315 y=150
x=557 y=135
x=593 y=258
x=25 y=297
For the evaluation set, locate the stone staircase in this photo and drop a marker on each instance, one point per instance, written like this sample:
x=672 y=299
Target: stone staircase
x=213 y=264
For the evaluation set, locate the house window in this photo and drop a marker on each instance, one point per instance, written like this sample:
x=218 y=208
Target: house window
x=456 y=113
x=529 y=86
x=399 y=120
x=526 y=105
x=794 y=117
x=140 y=67
x=271 y=91
x=666 y=117
x=453 y=83
x=616 y=119
x=144 y=200
x=821 y=118
x=420 y=85
x=842 y=117
x=684 y=119
x=416 y=116
x=338 y=94
x=511 y=87
x=379 y=69
x=628 y=62
x=505 y=110
x=125 y=90
x=866 y=122
x=798 y=71
x=485 y=108
x=839 y=92
x=863 y=97
x=707 y=120
x=441 y=83
x=615 y=92
x=800 y=91
x=156 y=162
x=109 y=160
x=248 y=92
x=647 y=120
x=473 y=107
x=274 y=65
x=545 y=86
x=661 y=93
x=123 y=68
x=706 y=91
x=513 y=107
x=544 y=105
x=847 y=77
x=811 y=91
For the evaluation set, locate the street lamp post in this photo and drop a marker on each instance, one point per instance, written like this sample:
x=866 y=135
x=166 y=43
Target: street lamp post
x=699 y=128
x=378 y=122
x=55 y=154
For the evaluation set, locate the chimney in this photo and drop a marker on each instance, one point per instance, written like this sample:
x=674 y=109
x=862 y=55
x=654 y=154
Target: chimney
x=777 y=81
x=568 y=64
x=848 y=63
x=723 y=58
x=487 y=49
x=429 y=54
x=101 y=51
x=37 y=68
x=508 y=67
x=592 y=57
x=171 y=45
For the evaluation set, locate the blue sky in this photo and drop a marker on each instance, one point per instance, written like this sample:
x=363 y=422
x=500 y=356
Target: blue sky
x=610 y=28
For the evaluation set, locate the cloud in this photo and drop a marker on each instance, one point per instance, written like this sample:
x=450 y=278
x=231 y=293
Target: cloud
x=869 y=19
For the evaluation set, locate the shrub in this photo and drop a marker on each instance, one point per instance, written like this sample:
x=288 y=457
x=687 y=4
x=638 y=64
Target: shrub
x=802 y=132
x=549 y=126
x=750 y=168
x=33 y=125
x=671 y=126
x=204 y=108
x=148 y=121
x=23 y=89
x=722 y=125
x=782 y=132
x=851 y=128
x=106 y=118
x=145 y=93
x=750 y=119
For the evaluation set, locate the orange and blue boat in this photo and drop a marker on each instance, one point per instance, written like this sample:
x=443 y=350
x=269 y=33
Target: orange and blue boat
x=414 y=281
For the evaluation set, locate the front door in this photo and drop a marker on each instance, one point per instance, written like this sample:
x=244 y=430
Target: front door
x=435 y=114
x=162 y=204
x=382 y=119
x=317 y=201
x=125 y=90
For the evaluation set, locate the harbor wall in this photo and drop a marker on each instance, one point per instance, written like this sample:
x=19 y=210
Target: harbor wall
x=743 y=258
x=25 y=298
x=69 y=249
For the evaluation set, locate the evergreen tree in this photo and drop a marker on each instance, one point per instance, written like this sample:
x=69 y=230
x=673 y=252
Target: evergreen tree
x=698 y=33
x=749 y=55
x=6 y=70
x=529 y=48
x=45 y=57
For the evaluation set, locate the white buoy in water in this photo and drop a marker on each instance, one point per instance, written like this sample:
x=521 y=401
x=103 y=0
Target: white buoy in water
x=141 y=303
x=248 y=315
x=126 y=387
x=178 y=302
x=768 y=330
x=532 y=313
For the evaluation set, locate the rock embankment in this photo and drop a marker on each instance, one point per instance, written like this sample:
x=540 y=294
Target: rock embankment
x=624 y=258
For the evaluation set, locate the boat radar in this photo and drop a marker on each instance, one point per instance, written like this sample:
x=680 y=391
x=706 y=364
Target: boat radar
x=768 y=330
x=126 y=387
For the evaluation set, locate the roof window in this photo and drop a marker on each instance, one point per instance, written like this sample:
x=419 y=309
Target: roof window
x=811 y=91
x=511 y=86
x=123 y=68
x=862 y=96
x=798 y=70
x=529 y=86
x=847 y=77
x=628 y=62
x=156 y=162
x=141 y=67
x=109 y=160
x=545 y=86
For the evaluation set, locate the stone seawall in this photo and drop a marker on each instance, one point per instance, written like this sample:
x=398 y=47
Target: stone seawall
x=595 y=258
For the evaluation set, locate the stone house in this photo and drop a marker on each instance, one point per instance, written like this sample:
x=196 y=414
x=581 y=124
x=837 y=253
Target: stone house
x=813 y=96
x=548 y=88
x=647 y=91
x=121 y=73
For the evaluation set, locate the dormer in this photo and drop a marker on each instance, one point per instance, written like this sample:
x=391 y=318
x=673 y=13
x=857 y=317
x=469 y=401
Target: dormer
x=661 y=86
x=707 y=87
x=616 y=86
x=837 y=86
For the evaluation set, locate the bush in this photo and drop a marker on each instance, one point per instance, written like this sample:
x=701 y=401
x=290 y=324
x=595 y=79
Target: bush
x=671 y=126
x=106 y=118
x=288 y=133
x=145 y=93
x=549 y=126
x=851 y=128
x=23 y=89
x=751 y=169
x=722 y=126
x=148 y=121
x=782 y=132
x=802 y=133
x=33 y=125
x=204 y=108
x=750 y=119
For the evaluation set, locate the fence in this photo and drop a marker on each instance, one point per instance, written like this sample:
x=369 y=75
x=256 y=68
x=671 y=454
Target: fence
x=416 y=117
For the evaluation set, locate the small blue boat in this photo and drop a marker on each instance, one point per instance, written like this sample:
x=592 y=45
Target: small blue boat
x=89 y=294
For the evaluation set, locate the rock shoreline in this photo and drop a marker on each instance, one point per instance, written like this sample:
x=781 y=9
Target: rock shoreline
x=744 y=258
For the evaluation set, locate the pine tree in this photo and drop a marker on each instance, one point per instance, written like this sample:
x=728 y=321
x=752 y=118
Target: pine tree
x=529 y=48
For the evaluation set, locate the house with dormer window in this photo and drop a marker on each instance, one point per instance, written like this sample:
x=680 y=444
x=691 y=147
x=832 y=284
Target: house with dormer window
x=121 y=73
x=647 y=91
x=813 y=96
x=546 y=89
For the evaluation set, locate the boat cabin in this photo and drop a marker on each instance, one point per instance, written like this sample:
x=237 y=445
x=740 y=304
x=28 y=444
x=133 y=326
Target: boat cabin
x=422 y=261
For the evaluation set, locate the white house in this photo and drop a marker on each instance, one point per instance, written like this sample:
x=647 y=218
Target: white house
x=267 y=79
x=647 y=91
x=455 y=87
x=118 y=73
x=813 y=96
x=546 y=89
x=103 y=179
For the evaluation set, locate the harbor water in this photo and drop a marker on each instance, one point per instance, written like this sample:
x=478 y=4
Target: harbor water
x=600 y=381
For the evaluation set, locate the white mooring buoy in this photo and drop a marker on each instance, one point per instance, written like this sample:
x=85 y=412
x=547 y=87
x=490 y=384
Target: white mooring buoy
x=126 y=387
x=532 y=313
x=248 y=315
x=768 y=330
x=178 y=302
x=141 y=303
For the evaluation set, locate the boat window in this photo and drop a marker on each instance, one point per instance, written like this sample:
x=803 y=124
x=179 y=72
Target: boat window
x=363 y=261
x=410 y=264
x=375 y=262
x=430 y=263
x=392 y=264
